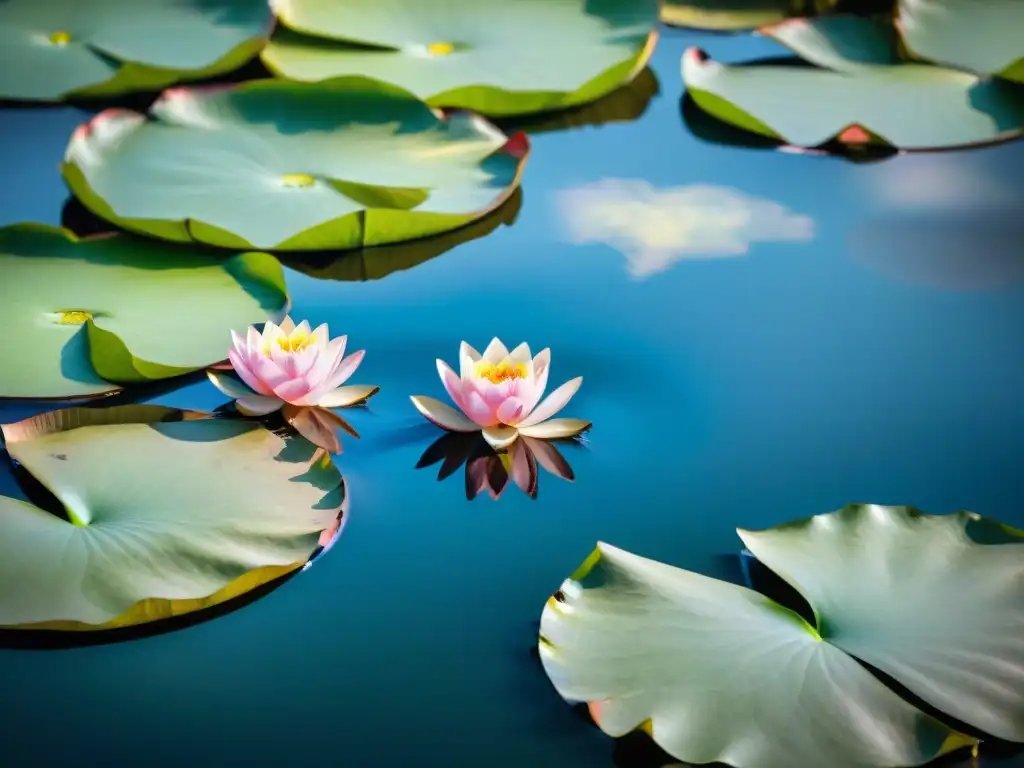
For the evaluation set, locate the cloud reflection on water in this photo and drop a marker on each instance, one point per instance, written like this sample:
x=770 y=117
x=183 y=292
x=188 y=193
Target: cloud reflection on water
x=654 y=228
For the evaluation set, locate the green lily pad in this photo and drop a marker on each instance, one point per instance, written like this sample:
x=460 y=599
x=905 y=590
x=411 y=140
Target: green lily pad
x=89 y=315
x=292 y=166
x=167 y=513
x=725 y=15
x=378 y=262
x=52 y=49
x=936 y=602
x=982 y=36
x=865 y=96
x=497 y=57
x=718 y=673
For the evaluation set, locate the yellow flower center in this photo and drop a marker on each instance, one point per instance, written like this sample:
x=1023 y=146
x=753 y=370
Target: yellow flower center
x=503 y=371
x=294 y=343
x=298 y=180
x=440 y=49
x=60 y=37
x=73 y=317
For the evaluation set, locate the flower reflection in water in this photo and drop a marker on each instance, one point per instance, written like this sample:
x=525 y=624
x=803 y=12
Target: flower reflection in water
x=489 y=471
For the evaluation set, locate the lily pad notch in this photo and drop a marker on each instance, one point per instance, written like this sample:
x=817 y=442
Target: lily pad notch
x=864 y=94
x=338 y=165
x=495 y=57
x=715 y=672
x=94 y=314
x=55 y=50
x=199 y=526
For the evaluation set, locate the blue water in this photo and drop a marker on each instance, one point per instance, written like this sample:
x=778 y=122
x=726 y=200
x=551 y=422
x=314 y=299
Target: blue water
x=867 y=347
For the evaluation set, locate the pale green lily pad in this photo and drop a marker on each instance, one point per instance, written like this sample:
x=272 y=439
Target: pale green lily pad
x=86 y=316
x=52 y=49
x=918 y=597
x=292 y=166
x=168 y=513
x=496 y=57
x=864 y=95
x=717 y=672
x=983 y=36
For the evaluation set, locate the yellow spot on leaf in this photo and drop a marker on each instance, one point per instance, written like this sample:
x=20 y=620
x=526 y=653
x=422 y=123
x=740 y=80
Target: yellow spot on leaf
x=60 y=37
x=440 y=49
x=298 y=180
x=503 y=371
x=73 y=317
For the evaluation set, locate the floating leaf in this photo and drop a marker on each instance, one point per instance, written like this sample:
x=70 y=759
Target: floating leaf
x=725 y=15
x=983 y=36
x=85 y=313
x=497 y=57
x=716 y=672
x=51 y=49
x=864 y=98
x=380 y=261
x=168 y=513
x=289 y=166
x=937 y=602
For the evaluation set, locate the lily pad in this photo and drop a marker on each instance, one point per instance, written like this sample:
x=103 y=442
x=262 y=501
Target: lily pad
x=52 y=49
x=717 y=672
x=90 y=315
x=168 y=513
x=292 y=166
x=861 y=94
x=937 y=602
x=982 y=36
x=497 y=57
x=378 y=262
x=726 y=15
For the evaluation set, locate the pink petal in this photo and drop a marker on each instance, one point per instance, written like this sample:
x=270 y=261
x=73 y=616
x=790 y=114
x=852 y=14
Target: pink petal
x=326 y=362
x=496 y=351
x=255 y=405
x=344 y=370
x=287 y=325
x=510 y=411
x=479 y=411
x=553 y=403
x=555 y=429
x=246 y=375
x=468 y=358
x=293 y=391
x=238 y=342
x=253 y=341
x=269 y=372
x=452 y=383
x=442 y=414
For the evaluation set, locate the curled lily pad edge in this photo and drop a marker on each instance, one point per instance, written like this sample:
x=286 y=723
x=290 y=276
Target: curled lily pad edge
x=197 y=232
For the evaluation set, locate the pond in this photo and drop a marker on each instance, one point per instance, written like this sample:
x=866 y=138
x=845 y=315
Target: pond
x=816 y=332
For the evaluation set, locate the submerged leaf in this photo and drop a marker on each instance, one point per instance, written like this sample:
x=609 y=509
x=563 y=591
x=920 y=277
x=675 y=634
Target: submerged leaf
x=92 y=314
x=51 y=49
x=203 y=509
x=496 y=57
x=287 y=166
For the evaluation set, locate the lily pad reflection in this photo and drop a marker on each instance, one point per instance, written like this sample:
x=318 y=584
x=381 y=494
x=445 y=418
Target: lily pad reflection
x=488 y=471
x=157 y=513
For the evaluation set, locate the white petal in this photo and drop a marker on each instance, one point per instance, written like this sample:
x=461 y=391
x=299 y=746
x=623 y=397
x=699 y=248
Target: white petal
x=342 y=397
x=229 y=385
x=555 y=429
x=553 y=403
x=520 y=354
x=443 y=415
x=254 y=342
x=257 y=405
x=287 y=326
x=500 y=437
x=495 y=352
x=468 y=358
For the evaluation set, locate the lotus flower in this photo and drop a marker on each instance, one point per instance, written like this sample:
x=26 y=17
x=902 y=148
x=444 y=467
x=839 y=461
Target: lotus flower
x=498 y=393
x=297 y=369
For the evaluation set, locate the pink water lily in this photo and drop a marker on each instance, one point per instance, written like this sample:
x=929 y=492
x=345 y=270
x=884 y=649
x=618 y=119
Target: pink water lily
x=499 y=393
x=290 y=364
